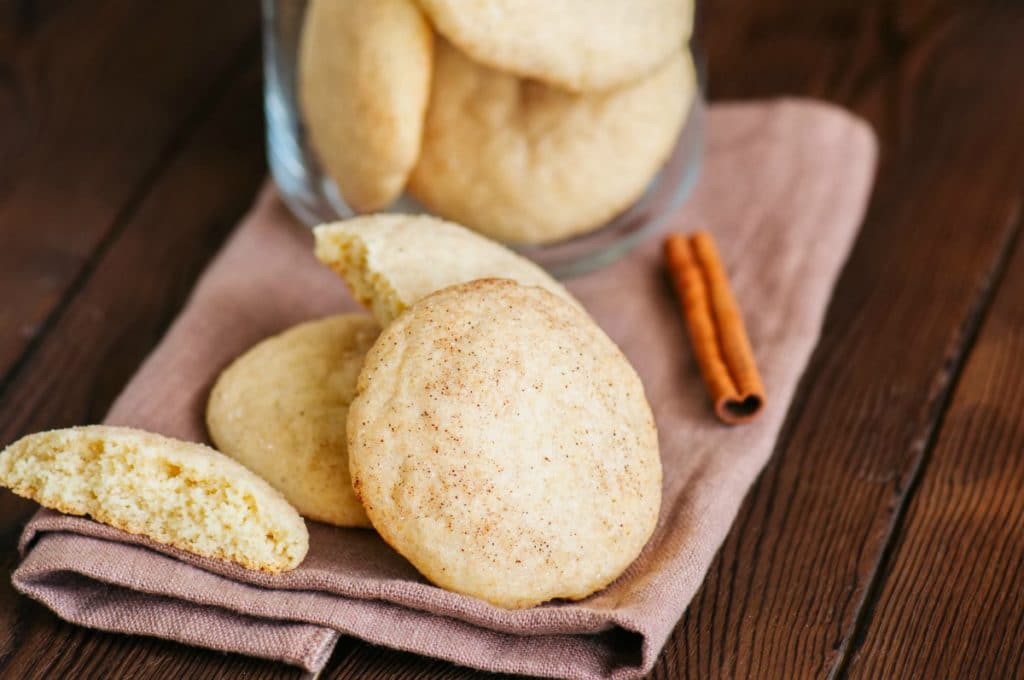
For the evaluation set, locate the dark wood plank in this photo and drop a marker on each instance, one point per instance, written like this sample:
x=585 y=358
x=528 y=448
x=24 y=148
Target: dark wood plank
x=112 y=322
x=788 y=588
x=952 y=598
x=94 y=96
x=75 y=652
x=369 y=662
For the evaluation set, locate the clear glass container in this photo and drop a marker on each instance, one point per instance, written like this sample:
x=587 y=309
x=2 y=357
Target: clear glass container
x=314 y=197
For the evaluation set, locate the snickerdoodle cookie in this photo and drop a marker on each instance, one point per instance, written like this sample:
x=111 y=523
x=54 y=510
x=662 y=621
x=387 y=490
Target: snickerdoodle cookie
x=578 y=45
x=522 y=162
x=364 y=81
x=280 y=410
x=391 y=261
x=503 y=444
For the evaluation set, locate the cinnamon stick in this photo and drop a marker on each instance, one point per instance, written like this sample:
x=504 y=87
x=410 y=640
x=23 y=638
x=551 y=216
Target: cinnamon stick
x=716 y=329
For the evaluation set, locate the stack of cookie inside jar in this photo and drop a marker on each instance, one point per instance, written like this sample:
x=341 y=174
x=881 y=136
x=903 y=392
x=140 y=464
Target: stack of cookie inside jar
x=531 y=122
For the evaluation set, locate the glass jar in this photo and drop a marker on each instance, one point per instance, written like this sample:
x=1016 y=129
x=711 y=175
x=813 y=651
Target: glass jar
x=570 y=171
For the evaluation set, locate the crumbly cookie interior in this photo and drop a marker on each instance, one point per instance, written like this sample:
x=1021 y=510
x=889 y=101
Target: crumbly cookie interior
x=176 y=500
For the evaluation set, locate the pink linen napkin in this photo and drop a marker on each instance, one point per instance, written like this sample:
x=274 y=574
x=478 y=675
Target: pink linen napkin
x=783 y=190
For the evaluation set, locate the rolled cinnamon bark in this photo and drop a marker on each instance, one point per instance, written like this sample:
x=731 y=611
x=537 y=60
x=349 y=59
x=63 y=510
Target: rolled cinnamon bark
x=715 y=325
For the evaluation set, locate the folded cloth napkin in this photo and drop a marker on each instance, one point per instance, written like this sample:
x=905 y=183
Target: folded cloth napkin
x=783 y=190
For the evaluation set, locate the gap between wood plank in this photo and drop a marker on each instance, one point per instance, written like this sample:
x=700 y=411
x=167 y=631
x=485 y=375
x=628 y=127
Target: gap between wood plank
x=942 y=396
x=249 y=49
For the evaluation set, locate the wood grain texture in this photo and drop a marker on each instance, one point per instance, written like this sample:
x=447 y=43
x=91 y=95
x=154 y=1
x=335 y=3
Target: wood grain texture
x=952 y=600
x=106 y=329
x=787 y=591
x=94 y=96
x=369 y=662
x=50 y=648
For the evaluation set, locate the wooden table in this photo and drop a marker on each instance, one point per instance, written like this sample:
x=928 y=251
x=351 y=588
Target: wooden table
x=886 y=536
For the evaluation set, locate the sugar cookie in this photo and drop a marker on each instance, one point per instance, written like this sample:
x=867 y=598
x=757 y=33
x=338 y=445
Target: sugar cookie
x=280 y=410
x=502 y=443
x=364 y=81
x=525 y=163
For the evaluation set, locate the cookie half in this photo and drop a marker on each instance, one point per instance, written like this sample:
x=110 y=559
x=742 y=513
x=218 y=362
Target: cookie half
x=280 y=410
x=503 y=444
x=177 y=493
x=391 y=261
